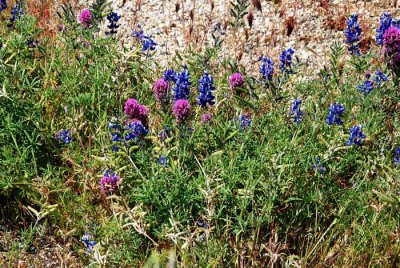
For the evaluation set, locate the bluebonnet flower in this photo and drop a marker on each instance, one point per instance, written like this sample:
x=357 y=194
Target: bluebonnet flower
x=369 y=85
x=286 y=58
x=356 y=135
x=353 y=33
x=296 y=112
x=115 y=137
x=113 y=19
x=16 y=12
x=385 y=23
x=113 y=125
x=170 y=75
x=137 y=131
x=148 y=43
x=206 y=87
x=3 y=5
x=202 y=224
x=109 y=182
x=165 y=133
x=89 y=242
x=396 y=159
x=266 y=68
x=64 y=135
x=32 y=43
x=396 y=23
x=245 y=120
x=379 y=78
x=335 y=112
x=366 y=87
x=318 y=168
x=163 y=161
x=181 y=89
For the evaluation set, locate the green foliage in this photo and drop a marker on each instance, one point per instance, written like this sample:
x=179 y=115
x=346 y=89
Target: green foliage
x=238 y=12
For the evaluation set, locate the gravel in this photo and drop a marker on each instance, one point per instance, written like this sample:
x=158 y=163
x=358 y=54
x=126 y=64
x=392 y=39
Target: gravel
x=316 y=25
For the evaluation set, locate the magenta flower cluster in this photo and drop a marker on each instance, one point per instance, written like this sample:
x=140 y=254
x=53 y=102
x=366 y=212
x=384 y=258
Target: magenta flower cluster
x=161 y=90
x=391 y=44
x=206 y=117
x=181 y=110
x=134 y=110
x=236 y=80
x=109 y=183
x=85 y=17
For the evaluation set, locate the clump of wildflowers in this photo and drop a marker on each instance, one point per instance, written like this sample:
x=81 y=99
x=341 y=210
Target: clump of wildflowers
x=206 y=87
x=64 y=136
x=391 y=43
x=296 y=112
x=109 y=183
x=353 y=32
x=369 y=84
x=245 y=120
x=356 y=136
x=85 y=18
x=335 y=113
x=266 y=68
x=206 y=118
x=182 y=84
x=113 y=25
x=161 y=90
x=148 y=43
x=181 y=110
x=16 y=13
x=87 y=239
x=135 y=110
x=385 y=23
x=3 y=5
x=137 y=131
x=286 y=59
x=236 y=80
x=396 y=159
x=317 y=166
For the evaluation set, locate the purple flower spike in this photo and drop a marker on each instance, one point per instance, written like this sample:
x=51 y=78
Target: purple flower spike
x=161 y=89
x=206 y=117
x=136 y=111
x=85 y=18
x=181 y=110
x=391 y=43
x=236 y=80
x=109 y=182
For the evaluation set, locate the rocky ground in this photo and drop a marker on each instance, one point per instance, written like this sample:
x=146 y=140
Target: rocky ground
x=310 y=27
